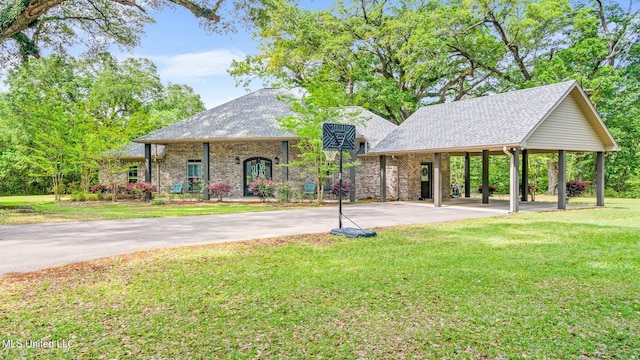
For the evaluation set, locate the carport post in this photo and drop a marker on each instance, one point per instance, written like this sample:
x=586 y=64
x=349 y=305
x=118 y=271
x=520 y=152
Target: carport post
x=206 y=161
x=599 y=178
x=467 y=175
x=437 y=181
x=513 y=182
x=525 y=175
x=485 y=176
x=562 y=179
x=383 y=178
x=147 y=162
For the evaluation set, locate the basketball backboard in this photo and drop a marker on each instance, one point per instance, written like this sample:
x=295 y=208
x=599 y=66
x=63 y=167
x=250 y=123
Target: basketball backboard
x=338 y=137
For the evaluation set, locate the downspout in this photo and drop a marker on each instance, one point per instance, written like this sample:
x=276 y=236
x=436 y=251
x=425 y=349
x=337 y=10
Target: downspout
x=513 y=186
x=506 y=151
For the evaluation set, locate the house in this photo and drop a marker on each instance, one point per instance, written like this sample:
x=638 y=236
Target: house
x=241 y=139
x=133 y=155
x=238 y=140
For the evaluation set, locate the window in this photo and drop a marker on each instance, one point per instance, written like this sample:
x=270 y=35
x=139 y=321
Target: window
x=194 y=175
x=132 y=175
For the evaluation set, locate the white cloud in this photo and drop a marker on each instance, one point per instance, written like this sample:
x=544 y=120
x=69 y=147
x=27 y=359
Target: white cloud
x=196 y=65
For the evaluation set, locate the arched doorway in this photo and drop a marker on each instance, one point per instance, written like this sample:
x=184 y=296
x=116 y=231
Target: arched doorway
x=254 y=167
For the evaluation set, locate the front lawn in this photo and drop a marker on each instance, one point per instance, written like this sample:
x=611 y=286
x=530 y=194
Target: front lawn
x=551 y=285
x=41 y=209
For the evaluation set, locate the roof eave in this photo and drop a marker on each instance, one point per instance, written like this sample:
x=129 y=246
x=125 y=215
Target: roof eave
x=493 y=147
x=216 y=139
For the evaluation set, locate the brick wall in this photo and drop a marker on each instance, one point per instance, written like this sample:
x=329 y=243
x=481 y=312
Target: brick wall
x=409 y=166
x=223 y=165
x=402 y=172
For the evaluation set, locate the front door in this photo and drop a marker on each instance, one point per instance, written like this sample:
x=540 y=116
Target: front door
x=254 y=167
x=426 y=180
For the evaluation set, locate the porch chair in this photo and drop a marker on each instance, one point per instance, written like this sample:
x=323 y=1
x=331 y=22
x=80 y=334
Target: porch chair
x=177 y=188
x=309 y=189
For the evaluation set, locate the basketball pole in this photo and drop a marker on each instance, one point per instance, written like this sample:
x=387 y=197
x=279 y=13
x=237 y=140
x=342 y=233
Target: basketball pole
x=340 y=192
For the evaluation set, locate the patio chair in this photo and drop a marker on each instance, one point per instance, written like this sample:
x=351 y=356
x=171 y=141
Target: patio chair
x=177 y=188
x=309 y=189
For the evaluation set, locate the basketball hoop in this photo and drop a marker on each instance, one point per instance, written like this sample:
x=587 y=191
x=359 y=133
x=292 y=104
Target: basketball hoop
x=331 y=155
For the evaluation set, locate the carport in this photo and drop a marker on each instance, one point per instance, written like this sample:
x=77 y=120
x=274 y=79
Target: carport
x=553 y=118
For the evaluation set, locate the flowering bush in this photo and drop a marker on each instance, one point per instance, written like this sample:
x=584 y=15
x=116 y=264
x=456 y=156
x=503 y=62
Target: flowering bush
x=137 y=190
x=99 y=188
x=219 y=189
x=141 y=190
x=263 y=187
x=346 y=187
x=576 y=188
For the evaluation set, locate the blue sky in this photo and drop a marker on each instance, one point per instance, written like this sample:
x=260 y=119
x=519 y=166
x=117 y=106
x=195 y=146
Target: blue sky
x=187 y=54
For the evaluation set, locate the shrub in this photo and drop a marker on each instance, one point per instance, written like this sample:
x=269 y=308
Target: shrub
x=262 y=187
x=285 y=191
x=346 y=187
x=575 y=188
x=219 y=189
x=99 y=189
x=78 y=196
x=139 y=190
x=157 y=202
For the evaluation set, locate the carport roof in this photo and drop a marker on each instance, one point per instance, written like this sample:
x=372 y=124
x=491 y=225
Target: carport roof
x=491 y=122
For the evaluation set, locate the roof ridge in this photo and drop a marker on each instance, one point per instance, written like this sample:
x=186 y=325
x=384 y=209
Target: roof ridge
x=507 y=93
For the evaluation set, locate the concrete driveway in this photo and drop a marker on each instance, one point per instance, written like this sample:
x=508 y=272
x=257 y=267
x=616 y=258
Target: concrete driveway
x=35 y=247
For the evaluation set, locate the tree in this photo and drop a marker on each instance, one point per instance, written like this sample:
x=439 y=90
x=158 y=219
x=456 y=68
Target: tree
x=62 y=116
x=49 y=115
x=307 y=125
x=26 y=27
x=392 y=57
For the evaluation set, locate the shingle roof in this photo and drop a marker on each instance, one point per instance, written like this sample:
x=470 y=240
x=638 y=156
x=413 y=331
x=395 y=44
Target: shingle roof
x=252 y=116
x=134 y=151
x=372 y=127
x=483 y=122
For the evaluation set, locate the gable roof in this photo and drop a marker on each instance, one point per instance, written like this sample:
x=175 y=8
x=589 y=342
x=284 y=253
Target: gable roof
x=252 y=116
x=492 y=122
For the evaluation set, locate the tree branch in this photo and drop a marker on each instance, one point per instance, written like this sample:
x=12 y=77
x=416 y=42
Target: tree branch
x=199 y=11
x=27 y=12
x=513 y=48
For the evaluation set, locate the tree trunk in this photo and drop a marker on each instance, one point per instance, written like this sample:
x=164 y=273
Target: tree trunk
x=114 y=192
x=320 y=188
x=552 y=173
x=57 y=186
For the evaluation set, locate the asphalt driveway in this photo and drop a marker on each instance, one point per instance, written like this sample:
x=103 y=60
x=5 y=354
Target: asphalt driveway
x=35 y=247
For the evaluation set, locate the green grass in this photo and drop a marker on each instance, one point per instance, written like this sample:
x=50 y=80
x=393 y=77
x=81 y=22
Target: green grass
x=41 y=209
x=554 y=285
